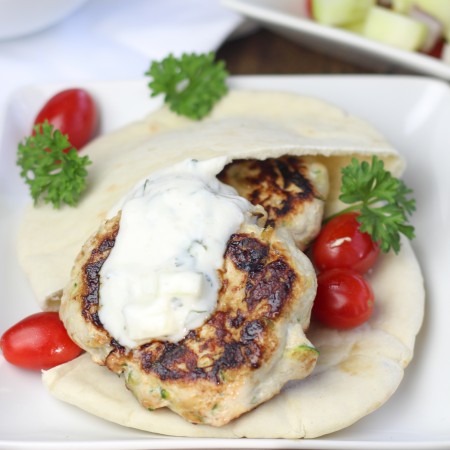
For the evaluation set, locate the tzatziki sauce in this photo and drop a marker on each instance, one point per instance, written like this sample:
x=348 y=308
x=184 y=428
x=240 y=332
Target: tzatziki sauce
x=160 y=280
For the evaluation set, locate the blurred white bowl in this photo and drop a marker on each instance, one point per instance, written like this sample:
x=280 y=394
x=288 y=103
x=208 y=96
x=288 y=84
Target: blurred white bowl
x=22 y=17
x=288 y=18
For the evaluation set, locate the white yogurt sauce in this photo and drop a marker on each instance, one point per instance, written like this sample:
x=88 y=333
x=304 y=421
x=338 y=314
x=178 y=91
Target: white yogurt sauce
x=160 y=279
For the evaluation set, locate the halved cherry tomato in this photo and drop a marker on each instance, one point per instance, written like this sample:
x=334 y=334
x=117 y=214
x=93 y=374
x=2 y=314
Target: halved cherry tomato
x=37 y=342
x=344 y=299
x=340 y=243
x=73 y=112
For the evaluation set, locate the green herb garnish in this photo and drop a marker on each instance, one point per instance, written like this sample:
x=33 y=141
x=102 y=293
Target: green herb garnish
x=164 y=394
x=191 y=84
x=51 y=167
x=304 y=347
x=382 y=201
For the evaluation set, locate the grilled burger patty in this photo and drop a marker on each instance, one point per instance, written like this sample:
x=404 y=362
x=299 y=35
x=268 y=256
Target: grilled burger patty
x=291 y=189
x=251 y=345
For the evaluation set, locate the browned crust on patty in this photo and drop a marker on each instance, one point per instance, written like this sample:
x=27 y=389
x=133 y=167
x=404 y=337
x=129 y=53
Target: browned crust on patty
x=91 y=276
x=280 y=185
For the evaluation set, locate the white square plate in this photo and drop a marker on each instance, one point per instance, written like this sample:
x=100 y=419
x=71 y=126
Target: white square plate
x=414 y=114
x=289 y=18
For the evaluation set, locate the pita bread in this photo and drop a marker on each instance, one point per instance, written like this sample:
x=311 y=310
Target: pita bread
x=358 y=370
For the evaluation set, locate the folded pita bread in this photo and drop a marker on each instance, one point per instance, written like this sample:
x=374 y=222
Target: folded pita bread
x=358 y=370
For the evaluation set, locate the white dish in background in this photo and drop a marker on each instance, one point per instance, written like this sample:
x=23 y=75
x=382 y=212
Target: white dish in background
x=414 y=114
x=22 y=17
x=289 y=18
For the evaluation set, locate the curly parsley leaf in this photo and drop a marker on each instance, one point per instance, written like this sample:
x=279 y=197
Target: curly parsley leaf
x=191 y=84
x=52 y=168
x=383 y=202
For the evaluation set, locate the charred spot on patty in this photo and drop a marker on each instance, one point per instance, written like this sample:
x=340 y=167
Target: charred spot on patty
x=252 y=330
x=249 y=254
x=292 y=170
x=237 y=320
x=174 y=362
x=273 y=285
x=266 y=281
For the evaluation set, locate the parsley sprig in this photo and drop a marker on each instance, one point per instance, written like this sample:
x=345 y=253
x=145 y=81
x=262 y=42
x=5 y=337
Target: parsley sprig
x=52 y=168
x=191 y=84
x=382 y=201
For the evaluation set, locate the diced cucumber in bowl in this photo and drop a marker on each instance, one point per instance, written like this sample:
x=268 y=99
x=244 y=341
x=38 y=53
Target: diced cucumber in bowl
x=340 y=12
x=412 y=25
x=395 y=29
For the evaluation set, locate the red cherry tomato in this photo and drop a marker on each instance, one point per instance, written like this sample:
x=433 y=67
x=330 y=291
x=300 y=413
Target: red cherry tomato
x=37 y=342
x=309 y=9
x=340 y=243
x=344 y=299
x=74 y=113
x=438 y=49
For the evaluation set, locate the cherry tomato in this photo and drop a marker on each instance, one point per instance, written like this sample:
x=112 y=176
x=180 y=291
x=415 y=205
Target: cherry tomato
x=344 y=299
x=37 y=342
x=438 y=49
x=340 y=243
x=309 y=8
x=74 y=113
